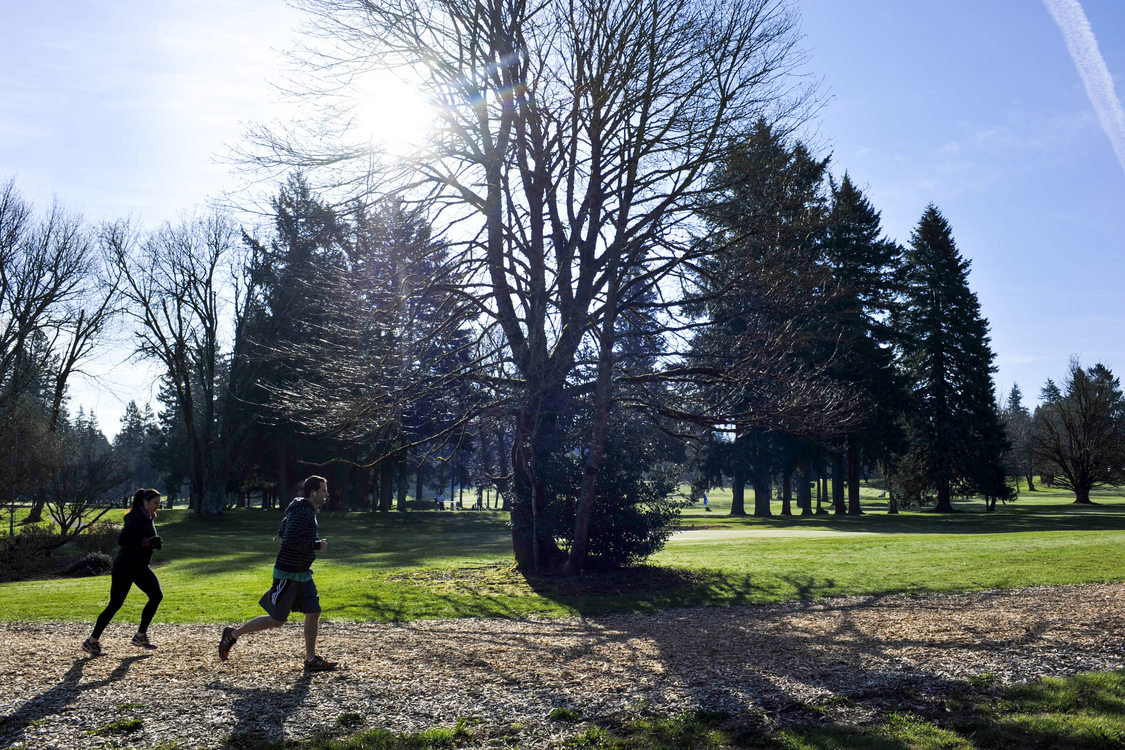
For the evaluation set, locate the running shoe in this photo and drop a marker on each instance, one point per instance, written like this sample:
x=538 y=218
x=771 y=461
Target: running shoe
x=319 y=664
x=141 y=640
x=92 y=647
x=226 y=642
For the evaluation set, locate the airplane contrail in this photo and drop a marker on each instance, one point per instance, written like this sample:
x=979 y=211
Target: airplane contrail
x=1083 y=48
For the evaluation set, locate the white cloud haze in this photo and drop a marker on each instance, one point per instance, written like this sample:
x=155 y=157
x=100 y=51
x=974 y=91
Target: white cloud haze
x=1083 y=48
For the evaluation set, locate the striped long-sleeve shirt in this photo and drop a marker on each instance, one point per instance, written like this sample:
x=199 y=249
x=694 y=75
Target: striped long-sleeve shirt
x=299 y=540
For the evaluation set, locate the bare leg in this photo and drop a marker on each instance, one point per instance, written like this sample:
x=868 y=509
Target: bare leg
x=311 y=621
x=262 y=622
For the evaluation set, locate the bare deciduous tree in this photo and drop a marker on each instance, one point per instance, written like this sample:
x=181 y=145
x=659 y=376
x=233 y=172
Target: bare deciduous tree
x=57 y=298
x=1080 y=436
x=85 y=471
x=174 y=281
x=572 y=148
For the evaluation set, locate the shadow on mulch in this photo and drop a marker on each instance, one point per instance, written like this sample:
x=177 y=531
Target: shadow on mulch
x=261 y=713
x=55 y=699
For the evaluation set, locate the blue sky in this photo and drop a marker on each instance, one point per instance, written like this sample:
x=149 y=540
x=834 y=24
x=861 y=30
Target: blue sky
x=979 y=108
x=125 y=107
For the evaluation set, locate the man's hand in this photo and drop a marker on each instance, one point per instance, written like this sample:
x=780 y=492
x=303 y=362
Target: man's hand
x=156 y=542
x=321 y=544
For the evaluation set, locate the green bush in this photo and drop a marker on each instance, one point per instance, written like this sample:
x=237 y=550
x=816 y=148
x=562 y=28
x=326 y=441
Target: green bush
x=100 y=536
x=24 y=554
x=635 y=508
x=90 y=564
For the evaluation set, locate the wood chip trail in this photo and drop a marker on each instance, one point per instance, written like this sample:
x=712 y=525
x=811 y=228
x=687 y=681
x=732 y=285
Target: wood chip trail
x=775 y=662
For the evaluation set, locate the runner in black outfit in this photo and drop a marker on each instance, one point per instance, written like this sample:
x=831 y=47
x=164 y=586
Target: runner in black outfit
x=137 y=541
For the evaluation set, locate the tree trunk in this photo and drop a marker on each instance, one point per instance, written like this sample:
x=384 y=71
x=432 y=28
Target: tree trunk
x=283 y=492
x=738 y=492
x=838 y=506
x=1030 y=483
x=787 y=492
x=944 y=502
x=535 y=440
x=854 y=508
x=385 y=495
x=36 y=514
x=576 y=562
x=198 y=481
x=762 y=487
x=419 y=475
x=804 y=489
x=401 y=476
x=1082 y=494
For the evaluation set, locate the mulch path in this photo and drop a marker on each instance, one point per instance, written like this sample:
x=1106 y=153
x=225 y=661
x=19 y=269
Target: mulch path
x=847 y=659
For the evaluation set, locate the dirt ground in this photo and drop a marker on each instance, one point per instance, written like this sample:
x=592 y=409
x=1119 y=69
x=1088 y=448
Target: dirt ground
x=846 y=659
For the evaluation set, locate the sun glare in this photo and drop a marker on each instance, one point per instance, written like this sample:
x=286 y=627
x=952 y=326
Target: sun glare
x=391 y=113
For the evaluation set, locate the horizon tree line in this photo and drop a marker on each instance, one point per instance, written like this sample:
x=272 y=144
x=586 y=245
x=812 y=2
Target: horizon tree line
x=613 y=268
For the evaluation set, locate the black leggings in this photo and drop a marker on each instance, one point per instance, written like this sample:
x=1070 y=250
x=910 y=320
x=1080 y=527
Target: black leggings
x=119 y=588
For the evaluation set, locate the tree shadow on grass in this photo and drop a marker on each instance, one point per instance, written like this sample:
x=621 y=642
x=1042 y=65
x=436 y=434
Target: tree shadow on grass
x=644 y=589
x=500 y=590
x=1013 y=518
x=56 y=699
x=384 y=608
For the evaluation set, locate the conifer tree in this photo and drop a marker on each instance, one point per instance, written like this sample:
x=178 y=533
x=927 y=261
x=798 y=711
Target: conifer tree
x=769 y=276
x=954 y=422
x=867 y=270
x=1017 y=426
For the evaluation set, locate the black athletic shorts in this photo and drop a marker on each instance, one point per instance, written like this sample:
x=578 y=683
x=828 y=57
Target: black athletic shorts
x=287 y=596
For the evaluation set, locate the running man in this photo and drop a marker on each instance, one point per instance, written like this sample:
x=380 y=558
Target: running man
x=293 y=587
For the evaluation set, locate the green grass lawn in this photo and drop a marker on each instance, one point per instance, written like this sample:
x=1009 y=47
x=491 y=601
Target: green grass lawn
x=426 y=564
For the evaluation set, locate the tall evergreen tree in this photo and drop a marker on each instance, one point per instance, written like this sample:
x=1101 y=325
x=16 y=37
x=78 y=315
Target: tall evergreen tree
x=134 y=445
x=286 y=309
x=768 y=274
x=354 y=343
x=867 y=270
x=954 y=422
x=1017 y=426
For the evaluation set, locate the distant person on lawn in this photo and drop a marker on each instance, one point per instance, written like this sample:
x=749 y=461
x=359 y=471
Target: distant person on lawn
x=293 y=587
x=137 y=540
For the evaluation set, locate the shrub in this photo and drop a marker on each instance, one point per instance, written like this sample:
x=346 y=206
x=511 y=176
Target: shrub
x=37 y=539
x=90 y=564
x=635 y=507
x=24 y=555
x=100 y=536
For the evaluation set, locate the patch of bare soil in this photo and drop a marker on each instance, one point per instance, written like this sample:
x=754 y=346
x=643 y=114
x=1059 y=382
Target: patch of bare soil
x=844 y=659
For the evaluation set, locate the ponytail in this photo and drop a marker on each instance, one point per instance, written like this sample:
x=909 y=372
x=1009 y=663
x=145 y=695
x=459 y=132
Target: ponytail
x=140 y=497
